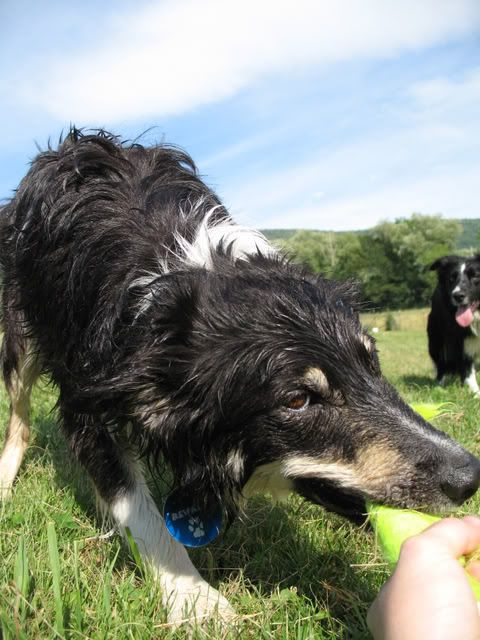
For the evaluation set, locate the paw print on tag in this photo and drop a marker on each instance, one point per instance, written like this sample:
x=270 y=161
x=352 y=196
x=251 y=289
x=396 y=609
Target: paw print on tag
x=195 y=525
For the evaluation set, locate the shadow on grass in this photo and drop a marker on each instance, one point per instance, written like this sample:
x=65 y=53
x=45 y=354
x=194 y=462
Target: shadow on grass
x=412 y=380
x=51 y=445
x=452 y=382
x=277 y=548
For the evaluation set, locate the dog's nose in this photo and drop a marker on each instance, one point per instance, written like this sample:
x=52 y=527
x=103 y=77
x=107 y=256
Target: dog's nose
x=460 y=483
x=459 y=297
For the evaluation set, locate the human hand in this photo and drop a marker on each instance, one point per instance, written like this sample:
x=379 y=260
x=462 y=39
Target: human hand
x=428 y=596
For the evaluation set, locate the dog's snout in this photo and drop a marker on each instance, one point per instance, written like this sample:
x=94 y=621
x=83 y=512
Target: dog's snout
x=461 y=482
x=459 y=297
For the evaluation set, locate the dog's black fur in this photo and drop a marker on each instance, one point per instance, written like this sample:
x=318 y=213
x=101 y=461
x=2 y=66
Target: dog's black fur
x=125 y=280
x=453 y=342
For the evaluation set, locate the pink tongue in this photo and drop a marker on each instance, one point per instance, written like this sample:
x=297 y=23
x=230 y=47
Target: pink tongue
x=464 y=316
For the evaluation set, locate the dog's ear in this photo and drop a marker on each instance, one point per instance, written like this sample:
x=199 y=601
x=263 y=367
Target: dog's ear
x=438 y=264
x=443 y=263
x=184 y=412
x=166 y=306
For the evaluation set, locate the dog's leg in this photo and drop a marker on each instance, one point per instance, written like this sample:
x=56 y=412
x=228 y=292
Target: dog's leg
x=20 y=372
x=125 y=495
x=186 y=594
x=441 y=374
x=470 y=380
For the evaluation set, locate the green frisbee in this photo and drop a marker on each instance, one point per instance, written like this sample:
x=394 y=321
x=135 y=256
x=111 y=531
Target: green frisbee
x=393 y=526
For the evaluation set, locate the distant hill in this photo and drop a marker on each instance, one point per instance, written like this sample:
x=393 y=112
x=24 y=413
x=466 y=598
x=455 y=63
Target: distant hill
x=279 y=234
x=469 y=238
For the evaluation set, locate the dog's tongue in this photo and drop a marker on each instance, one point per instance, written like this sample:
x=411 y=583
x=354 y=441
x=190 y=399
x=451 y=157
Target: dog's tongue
x=464 y=315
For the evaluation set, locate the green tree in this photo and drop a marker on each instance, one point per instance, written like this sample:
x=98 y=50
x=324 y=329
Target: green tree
x=404 y=250
x=315 y=249
x=322 y=251
x=390 y=261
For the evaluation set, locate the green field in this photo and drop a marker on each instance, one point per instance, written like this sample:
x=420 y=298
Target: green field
x=291 y=571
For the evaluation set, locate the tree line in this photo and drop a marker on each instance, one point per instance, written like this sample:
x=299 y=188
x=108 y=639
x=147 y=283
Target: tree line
x=390 y=261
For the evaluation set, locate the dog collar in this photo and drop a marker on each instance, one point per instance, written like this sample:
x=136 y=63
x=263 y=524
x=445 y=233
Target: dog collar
x=187 y=524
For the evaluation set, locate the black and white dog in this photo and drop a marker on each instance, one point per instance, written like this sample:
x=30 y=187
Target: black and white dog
x=176 y=337
x=454 y=321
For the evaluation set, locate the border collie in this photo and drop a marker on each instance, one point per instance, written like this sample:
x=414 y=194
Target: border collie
x=454 y=321
x=184 y=342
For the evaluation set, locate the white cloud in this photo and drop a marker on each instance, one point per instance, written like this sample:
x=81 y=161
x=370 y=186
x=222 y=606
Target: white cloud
x=243 y=147
x=444 y=94
x=355 y=167
x=454 y=194
x=174 y=56
x=428 y=164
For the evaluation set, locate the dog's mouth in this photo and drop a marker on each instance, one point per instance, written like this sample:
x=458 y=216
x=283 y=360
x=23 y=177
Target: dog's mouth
x=328 y=494
x=465 y=314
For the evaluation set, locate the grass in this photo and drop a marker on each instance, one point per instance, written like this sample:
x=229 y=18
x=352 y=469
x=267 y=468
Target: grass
x=404 y=320
x=291 y=571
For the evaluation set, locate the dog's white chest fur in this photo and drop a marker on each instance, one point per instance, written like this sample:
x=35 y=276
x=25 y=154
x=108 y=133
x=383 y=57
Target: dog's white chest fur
x=475 y=326
x=472 y=343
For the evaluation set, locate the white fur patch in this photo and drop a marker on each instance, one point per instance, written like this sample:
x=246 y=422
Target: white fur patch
x=268 y=478
x=276 y=478
x=241 y=241
x=462 y=270
x=471 y=381
x=235 y=463
x=472 y=346
x=310 y=467
x=12 y=456
x=185 y=592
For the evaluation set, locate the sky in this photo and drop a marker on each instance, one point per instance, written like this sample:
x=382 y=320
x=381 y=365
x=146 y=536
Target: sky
x=319 y=114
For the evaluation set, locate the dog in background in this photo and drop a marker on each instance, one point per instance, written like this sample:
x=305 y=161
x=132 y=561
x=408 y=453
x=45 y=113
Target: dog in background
x=178 y=338
x=454 y=321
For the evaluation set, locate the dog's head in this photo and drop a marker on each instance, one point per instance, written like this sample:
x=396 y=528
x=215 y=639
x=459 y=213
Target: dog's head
x=459 y=280
x=262 y=378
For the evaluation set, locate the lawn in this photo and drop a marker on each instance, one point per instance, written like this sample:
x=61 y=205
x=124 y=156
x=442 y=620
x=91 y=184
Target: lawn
x=292 y=571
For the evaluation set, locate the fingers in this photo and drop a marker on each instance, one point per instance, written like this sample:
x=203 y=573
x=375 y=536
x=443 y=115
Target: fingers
x=428 y=594
x=375 y=620
x=452 y=535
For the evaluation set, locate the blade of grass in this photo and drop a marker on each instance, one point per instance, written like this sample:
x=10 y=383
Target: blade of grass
x=7 y=628
x=134 y=551
x=107 y=597
x=77 y=594
x=21 y=579
x=55 y=567
x=107 y=590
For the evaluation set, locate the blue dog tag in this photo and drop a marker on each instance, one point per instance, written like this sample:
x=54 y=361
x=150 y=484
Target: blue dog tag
x=189 y=525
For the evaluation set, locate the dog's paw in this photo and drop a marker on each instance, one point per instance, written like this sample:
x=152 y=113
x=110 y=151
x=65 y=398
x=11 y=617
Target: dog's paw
x=6 y=482
x=5 y=492
x=198 y=606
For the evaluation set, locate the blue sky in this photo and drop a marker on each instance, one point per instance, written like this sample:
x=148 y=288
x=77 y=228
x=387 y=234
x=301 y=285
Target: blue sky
x=319 y=114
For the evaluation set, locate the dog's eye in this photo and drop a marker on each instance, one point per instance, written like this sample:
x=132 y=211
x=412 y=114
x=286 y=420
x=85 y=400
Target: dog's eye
x=298 y=402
